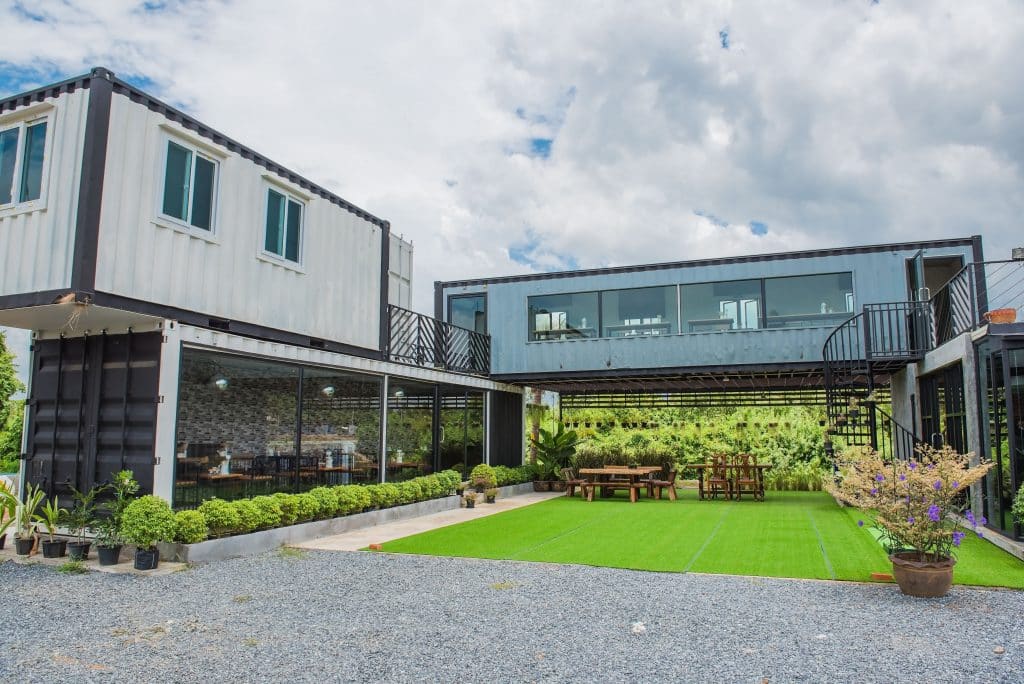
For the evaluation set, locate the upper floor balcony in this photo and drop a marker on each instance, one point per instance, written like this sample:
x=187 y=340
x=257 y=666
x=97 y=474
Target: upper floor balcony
x=420 y=340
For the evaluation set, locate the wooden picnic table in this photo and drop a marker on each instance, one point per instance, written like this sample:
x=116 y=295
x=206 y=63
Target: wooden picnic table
x=632 y=476
x=700 y=467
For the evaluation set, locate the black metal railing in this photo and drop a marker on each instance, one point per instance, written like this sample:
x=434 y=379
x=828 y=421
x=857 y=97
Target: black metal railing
x=880 y=335
x=964 y=302
x=420 y=340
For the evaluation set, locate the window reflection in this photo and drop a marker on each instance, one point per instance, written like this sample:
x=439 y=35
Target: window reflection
x=642 y=311
x=809 y=300
x=410 y=429
x=730 y=305
x=563 y=316
x=469 y=312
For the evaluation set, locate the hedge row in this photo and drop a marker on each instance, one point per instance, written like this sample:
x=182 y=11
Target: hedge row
x=219 y=518
x=511 y=476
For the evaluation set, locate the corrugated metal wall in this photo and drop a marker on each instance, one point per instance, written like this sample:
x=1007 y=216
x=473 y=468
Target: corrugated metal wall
x=877 y=277
x=505 y=430
x=334 y=295
x=36 y=245
x=400 y=273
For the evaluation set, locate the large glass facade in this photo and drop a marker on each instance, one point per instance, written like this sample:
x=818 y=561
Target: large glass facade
x=248 y=426
x=410 y=433
x=1002 y=405
x=730 y=305
x=642 y=311
x=564 y=316
x=808 y=300
x=461 y=439
x=469 y=312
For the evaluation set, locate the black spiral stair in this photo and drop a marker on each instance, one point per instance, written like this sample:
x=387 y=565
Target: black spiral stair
x=860 y=357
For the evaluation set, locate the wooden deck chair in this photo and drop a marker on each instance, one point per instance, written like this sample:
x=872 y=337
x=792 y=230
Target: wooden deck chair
x=572 y=482
x=669 y=484
x=746 y=477
x=718 y=481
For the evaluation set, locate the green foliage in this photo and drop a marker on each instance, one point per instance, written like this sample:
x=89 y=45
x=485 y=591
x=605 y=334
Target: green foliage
x=221 y=517
x=352 y=499
x=289 y=506
x=390 y=495
x=26 y=512
x=249 y=516
x=82 y=515
x=51 y=516
x=189 y=527
x=270 y=511
x=8 y=508
x=327 y=501
x=555 y=450
x=1018 y=505
x=483 y=476
x=307 y=507
x=148 y=520
x=73 y=567
x=108 y=529
x=11 y=411
x=409 y=491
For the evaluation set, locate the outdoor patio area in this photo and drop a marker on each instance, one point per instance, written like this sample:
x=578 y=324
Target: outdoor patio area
x=790 y=534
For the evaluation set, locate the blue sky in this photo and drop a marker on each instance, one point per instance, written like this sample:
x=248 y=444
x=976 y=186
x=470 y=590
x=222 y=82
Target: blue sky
x=550 y=135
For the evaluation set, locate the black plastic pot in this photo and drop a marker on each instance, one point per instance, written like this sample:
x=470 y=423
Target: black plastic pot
x=470 y=503
x=109 y=555
x=79 y=550
x=3 y=538
x=490 y=499
x=147 y=559
x=55 y=549
x=23 y=546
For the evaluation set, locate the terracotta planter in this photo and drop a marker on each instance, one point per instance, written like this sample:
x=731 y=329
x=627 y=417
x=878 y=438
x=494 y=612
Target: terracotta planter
x=556 y=486
x=1008 y=315
x=925 y=579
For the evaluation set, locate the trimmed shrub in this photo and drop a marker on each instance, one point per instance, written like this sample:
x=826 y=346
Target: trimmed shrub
x=307 y=507
x=352 y=499
x=146 y=521
x=452 y=479
x=327 y=500
x=408 y=492
x=483 y=475
x=390 y=495
x=289 y=507
x=376 y=494
x=249 y=517
x=189 y=527
x=221 y=517
x=270 y=511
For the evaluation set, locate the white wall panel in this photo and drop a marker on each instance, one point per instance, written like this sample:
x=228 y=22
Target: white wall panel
x=400 y=272
x=37 y=239
x=334 y=294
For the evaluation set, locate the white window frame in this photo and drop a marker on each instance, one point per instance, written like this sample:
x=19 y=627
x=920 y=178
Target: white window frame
x=174 y=221
x=290 y=196
x=21 y=124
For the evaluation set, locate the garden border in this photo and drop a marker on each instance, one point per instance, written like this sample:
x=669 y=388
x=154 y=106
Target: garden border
x=266 y=540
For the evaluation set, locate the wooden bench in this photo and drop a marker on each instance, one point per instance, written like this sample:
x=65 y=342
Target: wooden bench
x=612 y=485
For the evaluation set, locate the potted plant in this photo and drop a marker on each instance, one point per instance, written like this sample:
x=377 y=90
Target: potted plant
x=483 y=477
x=146 y=521
x=555 y=450
x=913 y=503
x=8 y=512
x=1005 y=315
x=81 y=519
x=108 y=529
x=50 y=517
x=470 y=498
x=490 y=494
x=26 y=525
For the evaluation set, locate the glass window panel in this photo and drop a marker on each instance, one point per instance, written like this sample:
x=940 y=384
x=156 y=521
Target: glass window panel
x=469 y=312
x=236 y=429
x=410 y=448
x=644 y=311
x=729 y=305
x=341 y=426
x=8 y=154
x=294 y=234
x=202 y=193
x=274 y=242
x=563 y=316
x=461 y=439
x=798 y=301
x=32 y=162
x=176 y=181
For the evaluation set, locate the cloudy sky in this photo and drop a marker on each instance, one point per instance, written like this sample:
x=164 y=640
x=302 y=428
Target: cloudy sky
x=521 y=136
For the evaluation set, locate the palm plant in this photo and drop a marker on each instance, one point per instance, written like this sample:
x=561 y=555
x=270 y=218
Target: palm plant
x=82 y=515
x=555 y=449
x=27 y=511
x=8 y=510
x=51 y=516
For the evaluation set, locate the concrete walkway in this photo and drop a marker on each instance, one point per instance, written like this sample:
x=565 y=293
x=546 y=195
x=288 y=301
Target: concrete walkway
x=378 y=534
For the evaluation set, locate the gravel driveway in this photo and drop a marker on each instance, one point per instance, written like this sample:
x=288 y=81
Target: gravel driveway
x=337 y=616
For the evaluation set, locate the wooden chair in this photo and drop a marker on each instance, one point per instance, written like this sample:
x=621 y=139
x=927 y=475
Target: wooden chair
x=572 y=482
x=718 y=478
x=746 y=477
x=669 y=484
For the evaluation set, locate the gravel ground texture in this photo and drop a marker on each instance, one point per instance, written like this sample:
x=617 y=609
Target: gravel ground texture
x=351 y=616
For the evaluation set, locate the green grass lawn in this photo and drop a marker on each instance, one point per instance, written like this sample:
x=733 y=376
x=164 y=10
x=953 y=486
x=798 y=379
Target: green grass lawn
x=791 y=534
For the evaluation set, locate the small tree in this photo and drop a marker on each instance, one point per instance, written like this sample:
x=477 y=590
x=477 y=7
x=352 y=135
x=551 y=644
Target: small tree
x=555 y=449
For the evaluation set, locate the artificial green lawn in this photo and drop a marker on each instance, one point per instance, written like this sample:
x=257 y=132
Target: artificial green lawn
x=791 y=534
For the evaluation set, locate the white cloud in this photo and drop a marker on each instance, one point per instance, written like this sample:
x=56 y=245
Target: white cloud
x=832 y=124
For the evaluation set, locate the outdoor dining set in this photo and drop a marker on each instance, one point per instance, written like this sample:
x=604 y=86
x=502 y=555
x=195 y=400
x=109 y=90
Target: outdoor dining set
x=728 y=476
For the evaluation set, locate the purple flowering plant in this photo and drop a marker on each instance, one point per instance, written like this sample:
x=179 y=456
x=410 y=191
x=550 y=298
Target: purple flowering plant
x=911 y=501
